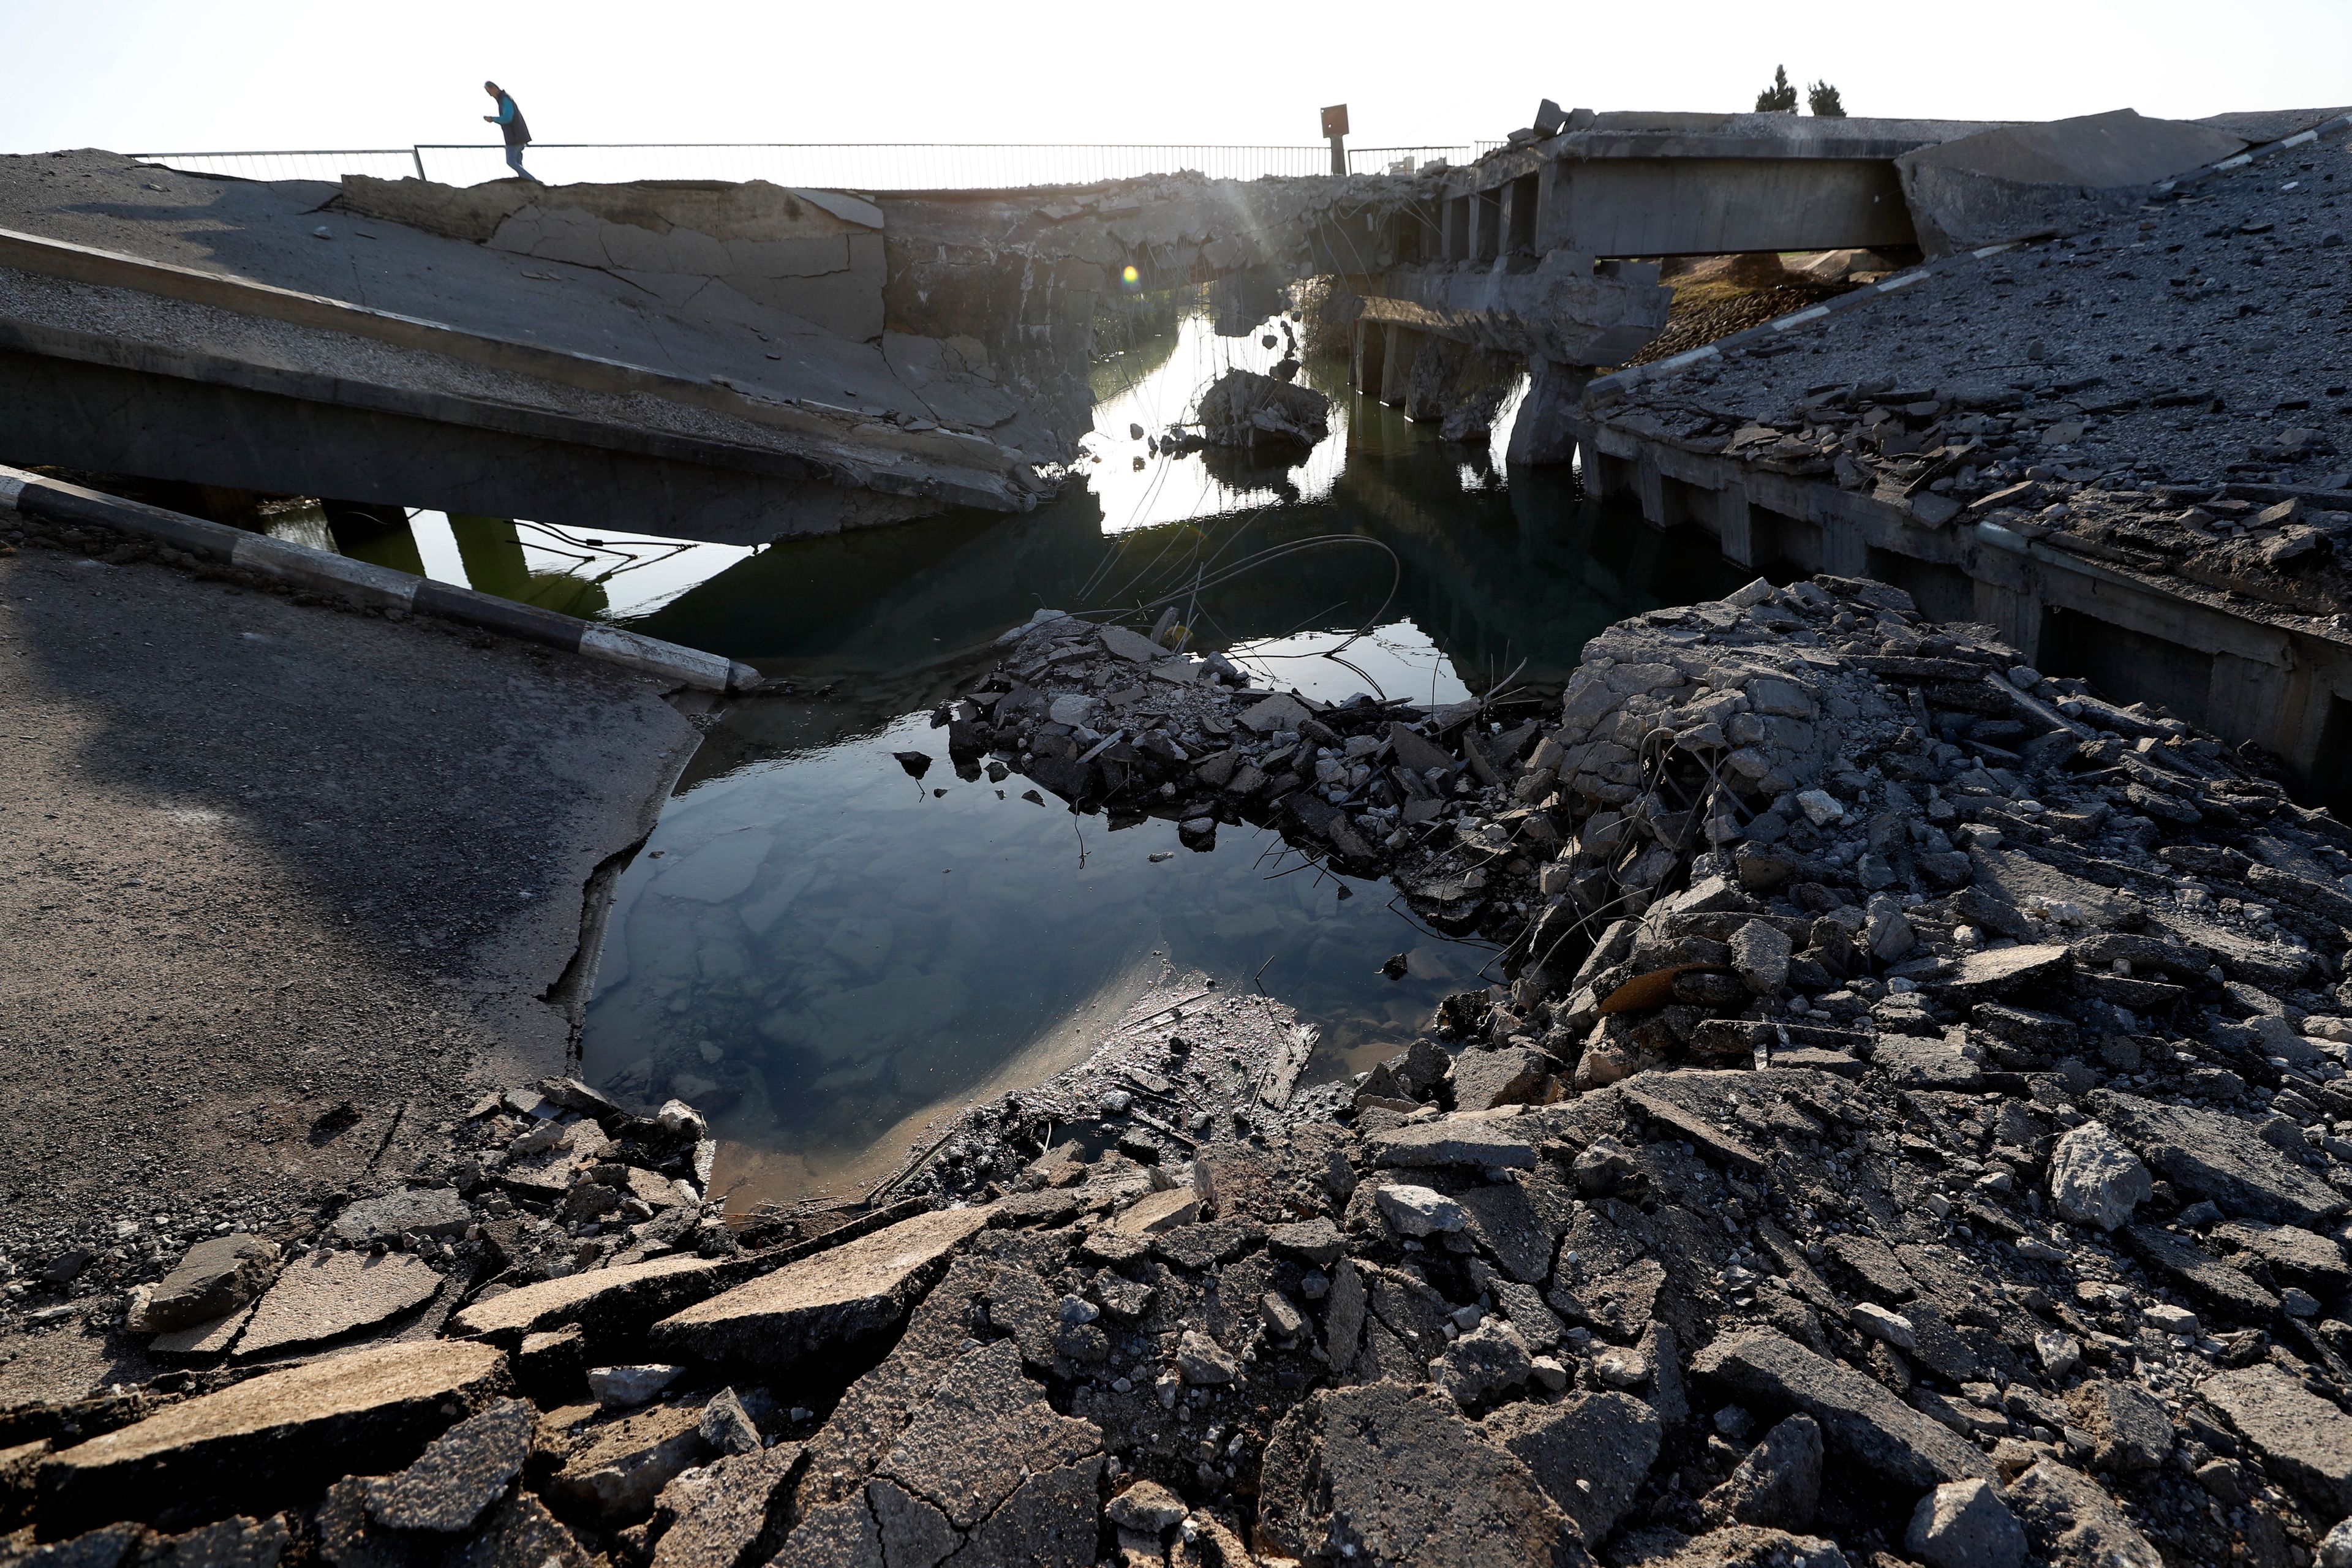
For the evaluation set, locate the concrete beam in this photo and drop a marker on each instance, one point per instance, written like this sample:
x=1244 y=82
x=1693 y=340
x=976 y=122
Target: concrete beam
x=1710 y=207
x=449 y=455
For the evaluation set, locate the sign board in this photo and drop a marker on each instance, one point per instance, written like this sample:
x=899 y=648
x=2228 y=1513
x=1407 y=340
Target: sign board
x=1335 y=121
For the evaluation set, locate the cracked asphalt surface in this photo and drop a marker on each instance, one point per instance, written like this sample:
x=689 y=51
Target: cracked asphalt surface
x=258 y=860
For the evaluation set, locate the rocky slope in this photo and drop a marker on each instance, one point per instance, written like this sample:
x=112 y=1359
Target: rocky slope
x=1916 y=1132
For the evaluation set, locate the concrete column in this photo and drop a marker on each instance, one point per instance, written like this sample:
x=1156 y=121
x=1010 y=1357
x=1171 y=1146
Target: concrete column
x=1545 y=430
x=1519 y=230
x=2014 y=612
x=1650 y=490
x=1371 y=354
x=1599 y=479
x=1487 y=225
x=491 y=552
x=1845 y=552
x=1728 y=512
x=1396 y=368
x=2249 y=701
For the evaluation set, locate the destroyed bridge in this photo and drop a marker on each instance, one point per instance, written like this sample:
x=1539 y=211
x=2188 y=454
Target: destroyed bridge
x=740 y=363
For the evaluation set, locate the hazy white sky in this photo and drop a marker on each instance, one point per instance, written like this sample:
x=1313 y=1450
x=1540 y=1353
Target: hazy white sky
x=172 y=75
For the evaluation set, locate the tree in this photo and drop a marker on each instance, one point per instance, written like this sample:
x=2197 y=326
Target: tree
x=1781 y=97
x=1824 y=101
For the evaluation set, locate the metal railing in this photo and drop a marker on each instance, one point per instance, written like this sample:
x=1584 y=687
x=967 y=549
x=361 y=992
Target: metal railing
x=856 y=166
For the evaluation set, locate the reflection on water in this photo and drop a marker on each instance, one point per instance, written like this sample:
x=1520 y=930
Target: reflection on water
x=826 y=947
x=829 y=952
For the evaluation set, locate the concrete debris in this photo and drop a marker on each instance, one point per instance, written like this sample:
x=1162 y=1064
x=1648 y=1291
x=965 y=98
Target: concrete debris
x=1870 y=1134
x=1242 y=408
x=212 y=1279
x=2096 y=1178
x=1965 y=1524
x=327 y=1295
x=2195 y=483
x=461 y=1474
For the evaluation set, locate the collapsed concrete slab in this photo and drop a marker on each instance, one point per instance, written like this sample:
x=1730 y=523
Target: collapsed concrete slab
x=2022 y=182
x=823 y=1303
x=605 y=1302
x=272 y=1439
x=1857 y=1418
x=1390 y=1475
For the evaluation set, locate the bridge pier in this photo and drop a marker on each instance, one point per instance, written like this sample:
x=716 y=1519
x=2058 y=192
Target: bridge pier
x=1396 y=363
x=1371 y=347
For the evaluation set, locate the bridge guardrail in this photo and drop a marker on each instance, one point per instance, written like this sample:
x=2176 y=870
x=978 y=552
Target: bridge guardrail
x=854 y=166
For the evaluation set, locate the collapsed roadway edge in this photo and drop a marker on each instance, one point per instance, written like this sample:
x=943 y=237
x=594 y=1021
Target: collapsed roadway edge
x=367 y=584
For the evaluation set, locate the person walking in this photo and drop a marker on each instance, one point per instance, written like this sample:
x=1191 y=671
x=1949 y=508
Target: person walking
x=516 y=129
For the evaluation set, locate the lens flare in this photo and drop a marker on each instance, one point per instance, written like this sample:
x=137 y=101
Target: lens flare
x=1130 y=276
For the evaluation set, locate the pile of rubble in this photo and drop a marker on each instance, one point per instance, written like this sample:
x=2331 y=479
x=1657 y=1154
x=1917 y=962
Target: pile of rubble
x=2192 y=435
x=1916 y=1131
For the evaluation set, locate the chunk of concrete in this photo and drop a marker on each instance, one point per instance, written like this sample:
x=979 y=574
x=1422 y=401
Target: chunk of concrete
x=326 y=1295
x=461 y=1474
x=1418 y=1211
x=274 y=1439
x=1316 y=1241
x=605 y=1304
x=1507 y=1074
x=1147 y=1507
x=1491 y=1358
x=1965 y=1524
x=1396 y=1473
x=1778 y=1483
x=620 y=1466
x=427 y=1211
x=1607 y=1442
x=2096 y=1178
x=820 y=1305
x=1858 y=1419
x=1343 y=1314
x=1203 y=1362
x=1155 y=1214
x=985 y=1430
x=2129 y=1429
x=1051 y=1521
x=212 y=1279
x=2071 y=1521
x=727 y=1427
x=235 y=1543
x=2211 y=1281
x=2305 y=1439
x=1503 y=1142
x=2212 y=1154
x=1761 y=952
x=2007 y=970
x=626 y=1388
x=717 y=1512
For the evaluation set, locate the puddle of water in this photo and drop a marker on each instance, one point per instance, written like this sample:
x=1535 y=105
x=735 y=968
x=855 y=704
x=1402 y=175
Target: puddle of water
x=827 y=950
x=828 y=954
